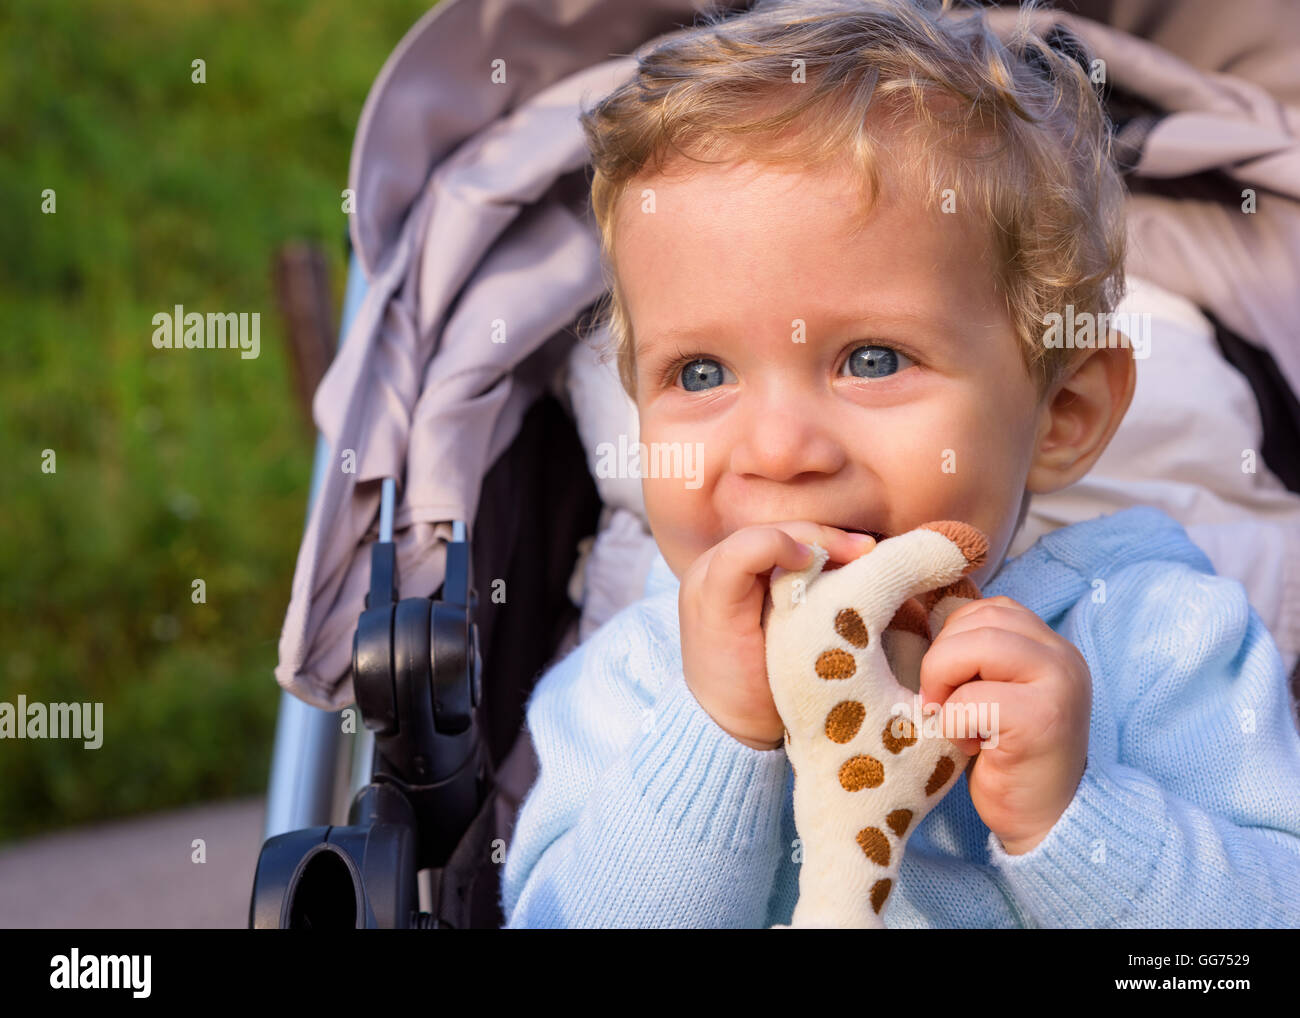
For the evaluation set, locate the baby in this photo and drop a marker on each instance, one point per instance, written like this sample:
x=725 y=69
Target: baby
x=836 y=230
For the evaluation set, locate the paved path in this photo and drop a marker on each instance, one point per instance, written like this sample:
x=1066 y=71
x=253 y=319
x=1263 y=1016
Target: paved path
x=138 y=873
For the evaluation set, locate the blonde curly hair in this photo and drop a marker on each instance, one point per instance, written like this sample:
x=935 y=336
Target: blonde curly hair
x=1014 y=128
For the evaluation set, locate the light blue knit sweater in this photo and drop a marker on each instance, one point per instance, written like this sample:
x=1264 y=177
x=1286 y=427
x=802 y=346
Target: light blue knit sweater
x=646 y=814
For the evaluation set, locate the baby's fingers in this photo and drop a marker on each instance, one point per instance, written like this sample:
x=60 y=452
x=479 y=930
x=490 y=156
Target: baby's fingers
x=737 y=562
x=753 y=551
x=995 y=655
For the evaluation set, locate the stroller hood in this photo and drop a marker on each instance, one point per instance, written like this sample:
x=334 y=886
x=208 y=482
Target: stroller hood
x=435 y=90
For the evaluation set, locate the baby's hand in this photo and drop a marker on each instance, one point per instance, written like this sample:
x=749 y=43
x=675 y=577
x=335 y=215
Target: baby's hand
x=720 y=605
x=1041 y=688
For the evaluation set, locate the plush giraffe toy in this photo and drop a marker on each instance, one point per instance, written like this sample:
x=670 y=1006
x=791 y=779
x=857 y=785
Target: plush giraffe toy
x=844 y=649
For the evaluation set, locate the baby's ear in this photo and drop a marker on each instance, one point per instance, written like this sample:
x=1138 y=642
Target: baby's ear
x=788 y=588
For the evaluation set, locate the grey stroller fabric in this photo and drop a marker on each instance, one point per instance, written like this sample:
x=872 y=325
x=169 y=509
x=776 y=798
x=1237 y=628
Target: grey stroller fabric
x=1241 y=267
x=479 y=252
x=438 y=423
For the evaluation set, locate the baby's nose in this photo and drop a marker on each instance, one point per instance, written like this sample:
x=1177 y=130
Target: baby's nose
x=784 y=442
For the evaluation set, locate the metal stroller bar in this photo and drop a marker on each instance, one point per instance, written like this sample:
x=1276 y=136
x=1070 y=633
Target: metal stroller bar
x=301 y=792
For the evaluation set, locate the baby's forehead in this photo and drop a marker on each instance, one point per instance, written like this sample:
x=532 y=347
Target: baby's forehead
x=819 y=223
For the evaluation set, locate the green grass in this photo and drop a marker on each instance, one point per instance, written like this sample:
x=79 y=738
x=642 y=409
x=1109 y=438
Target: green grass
x=171 y=465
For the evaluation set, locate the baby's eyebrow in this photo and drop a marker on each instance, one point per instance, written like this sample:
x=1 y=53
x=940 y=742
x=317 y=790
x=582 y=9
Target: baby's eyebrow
x=916 y=323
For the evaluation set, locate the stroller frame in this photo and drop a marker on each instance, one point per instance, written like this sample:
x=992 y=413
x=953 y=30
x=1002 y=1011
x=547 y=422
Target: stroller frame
x=417 y=676
x=416 y=849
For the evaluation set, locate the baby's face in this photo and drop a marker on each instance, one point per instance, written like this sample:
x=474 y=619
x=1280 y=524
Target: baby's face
x=869 y=382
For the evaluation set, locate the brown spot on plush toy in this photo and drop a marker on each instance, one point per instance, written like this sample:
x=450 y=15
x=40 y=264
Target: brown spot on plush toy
x=844 y=650
x=842 y=723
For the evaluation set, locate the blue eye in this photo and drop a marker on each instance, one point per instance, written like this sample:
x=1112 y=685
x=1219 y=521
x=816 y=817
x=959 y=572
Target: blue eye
x=701 y=373
x=876 y=361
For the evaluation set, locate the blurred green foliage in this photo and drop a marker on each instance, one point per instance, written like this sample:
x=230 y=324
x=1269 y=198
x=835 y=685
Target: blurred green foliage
x=171 y=465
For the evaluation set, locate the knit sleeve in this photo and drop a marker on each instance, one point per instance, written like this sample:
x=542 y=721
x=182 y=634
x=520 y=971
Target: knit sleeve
x=644 y=812
x=1188 y=812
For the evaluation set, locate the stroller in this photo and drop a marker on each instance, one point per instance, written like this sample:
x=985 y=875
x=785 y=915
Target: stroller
x=459 y=538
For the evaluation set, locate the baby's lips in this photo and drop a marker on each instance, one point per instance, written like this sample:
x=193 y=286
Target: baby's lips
x=969 y=540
